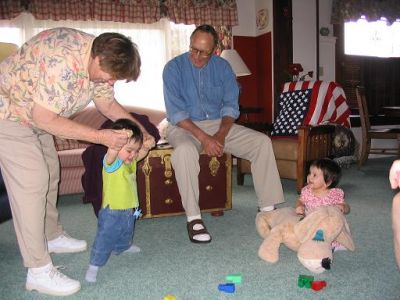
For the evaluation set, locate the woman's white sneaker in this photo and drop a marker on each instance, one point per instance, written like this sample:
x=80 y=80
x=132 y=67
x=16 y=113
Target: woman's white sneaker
x=66 y=244
x=48 y=280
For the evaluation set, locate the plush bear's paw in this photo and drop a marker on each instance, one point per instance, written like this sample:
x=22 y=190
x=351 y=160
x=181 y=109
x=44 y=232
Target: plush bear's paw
x=268 y=257
x=268 y=253
x=262 y=225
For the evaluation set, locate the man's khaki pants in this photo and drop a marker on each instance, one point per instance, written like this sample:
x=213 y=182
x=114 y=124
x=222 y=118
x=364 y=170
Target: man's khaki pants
x=31 y=171
x=241 y=142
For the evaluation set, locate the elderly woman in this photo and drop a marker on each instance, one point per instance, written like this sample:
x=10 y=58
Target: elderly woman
x=52 y=76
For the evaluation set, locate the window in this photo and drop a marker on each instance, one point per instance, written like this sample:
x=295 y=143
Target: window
x=372 y=38
x=157 y=44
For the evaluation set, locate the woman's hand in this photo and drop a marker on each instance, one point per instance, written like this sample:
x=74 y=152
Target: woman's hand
x=114 y=139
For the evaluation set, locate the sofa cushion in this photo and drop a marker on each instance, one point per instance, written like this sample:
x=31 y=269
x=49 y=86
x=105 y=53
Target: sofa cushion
x=287 y=168
x=285 y=148
x=71 y=158
x=67 y=144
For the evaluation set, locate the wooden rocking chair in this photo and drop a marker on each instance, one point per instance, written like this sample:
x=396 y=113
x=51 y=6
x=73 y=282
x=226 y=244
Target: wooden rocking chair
x=368 y=133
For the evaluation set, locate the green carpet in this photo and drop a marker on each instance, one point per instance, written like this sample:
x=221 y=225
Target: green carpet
x=170 y=264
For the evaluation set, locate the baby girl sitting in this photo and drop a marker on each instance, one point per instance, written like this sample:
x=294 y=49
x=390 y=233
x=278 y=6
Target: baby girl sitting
x=321 y=190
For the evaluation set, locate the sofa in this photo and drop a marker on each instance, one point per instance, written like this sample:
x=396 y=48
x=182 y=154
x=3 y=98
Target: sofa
x=70 y=151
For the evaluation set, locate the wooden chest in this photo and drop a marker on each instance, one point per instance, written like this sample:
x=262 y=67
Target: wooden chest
x=158 y=191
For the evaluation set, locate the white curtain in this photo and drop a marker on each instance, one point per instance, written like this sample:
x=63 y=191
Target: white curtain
x=157 y=44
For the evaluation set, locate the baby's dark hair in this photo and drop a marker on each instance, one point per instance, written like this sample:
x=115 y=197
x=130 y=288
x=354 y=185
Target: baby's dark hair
x=137 y=134
x=330 y=169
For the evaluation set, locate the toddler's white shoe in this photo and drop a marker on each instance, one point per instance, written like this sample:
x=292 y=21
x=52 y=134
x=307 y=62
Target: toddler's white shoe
x=48 y=280
x=66 y=244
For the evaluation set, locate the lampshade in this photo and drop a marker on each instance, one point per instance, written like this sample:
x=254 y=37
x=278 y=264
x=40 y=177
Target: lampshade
x=236 y=62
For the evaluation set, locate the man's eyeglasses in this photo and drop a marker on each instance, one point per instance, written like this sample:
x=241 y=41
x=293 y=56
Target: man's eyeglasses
x=201 y=53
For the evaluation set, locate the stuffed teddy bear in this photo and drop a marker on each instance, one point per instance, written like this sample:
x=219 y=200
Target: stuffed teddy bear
x=310 y=237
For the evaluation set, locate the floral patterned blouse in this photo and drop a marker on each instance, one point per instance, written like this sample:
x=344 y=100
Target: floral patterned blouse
x=51 y=70
x=311 y=201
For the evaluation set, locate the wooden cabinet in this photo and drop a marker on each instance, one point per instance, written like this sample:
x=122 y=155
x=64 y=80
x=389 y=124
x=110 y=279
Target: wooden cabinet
x=158 y=191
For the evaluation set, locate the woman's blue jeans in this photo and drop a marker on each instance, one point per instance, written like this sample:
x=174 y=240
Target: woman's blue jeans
x=115 y=230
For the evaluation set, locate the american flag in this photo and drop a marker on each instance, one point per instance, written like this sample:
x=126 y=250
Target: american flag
x=328 y=102
x=293 y=107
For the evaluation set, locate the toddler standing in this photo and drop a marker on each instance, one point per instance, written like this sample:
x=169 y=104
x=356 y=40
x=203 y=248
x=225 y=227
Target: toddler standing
x=117 y=217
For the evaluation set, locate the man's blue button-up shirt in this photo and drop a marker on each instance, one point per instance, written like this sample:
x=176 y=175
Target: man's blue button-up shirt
x=199 y=94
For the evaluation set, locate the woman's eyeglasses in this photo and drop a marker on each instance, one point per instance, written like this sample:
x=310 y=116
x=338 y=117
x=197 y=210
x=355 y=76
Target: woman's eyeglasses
x=201 y=53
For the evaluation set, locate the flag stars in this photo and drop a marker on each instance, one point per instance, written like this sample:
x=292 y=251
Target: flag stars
x=293 y=107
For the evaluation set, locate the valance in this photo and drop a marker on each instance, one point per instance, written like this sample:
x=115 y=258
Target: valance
x=132 y=11
x=10 y=9
x=373 y=10
x=214 y=12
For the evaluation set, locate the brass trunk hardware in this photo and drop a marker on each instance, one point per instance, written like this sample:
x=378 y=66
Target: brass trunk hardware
x=166 y=160
x=214 y=166
x=168 y=201
x=146 y=167
x=209 y=188
x=147 y=170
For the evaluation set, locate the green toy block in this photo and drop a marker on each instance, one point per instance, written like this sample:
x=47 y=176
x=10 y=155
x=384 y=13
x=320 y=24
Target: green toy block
x=305 y=281
x=235 y=278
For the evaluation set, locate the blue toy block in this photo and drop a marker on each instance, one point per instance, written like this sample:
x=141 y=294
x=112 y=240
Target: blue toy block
x=227 y=287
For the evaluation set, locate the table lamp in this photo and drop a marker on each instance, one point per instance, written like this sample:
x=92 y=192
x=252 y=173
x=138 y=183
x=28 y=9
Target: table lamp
x=240 y=69
x=236 y=62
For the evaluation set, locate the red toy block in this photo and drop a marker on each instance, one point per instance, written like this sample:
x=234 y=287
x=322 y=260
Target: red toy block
x=318 y=285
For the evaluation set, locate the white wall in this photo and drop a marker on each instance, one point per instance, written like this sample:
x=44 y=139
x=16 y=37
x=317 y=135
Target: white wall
x=265 y=5
x=247 y=14
x=247 y=17
x=304 y=31
x=304 y=37
x=325 y=8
